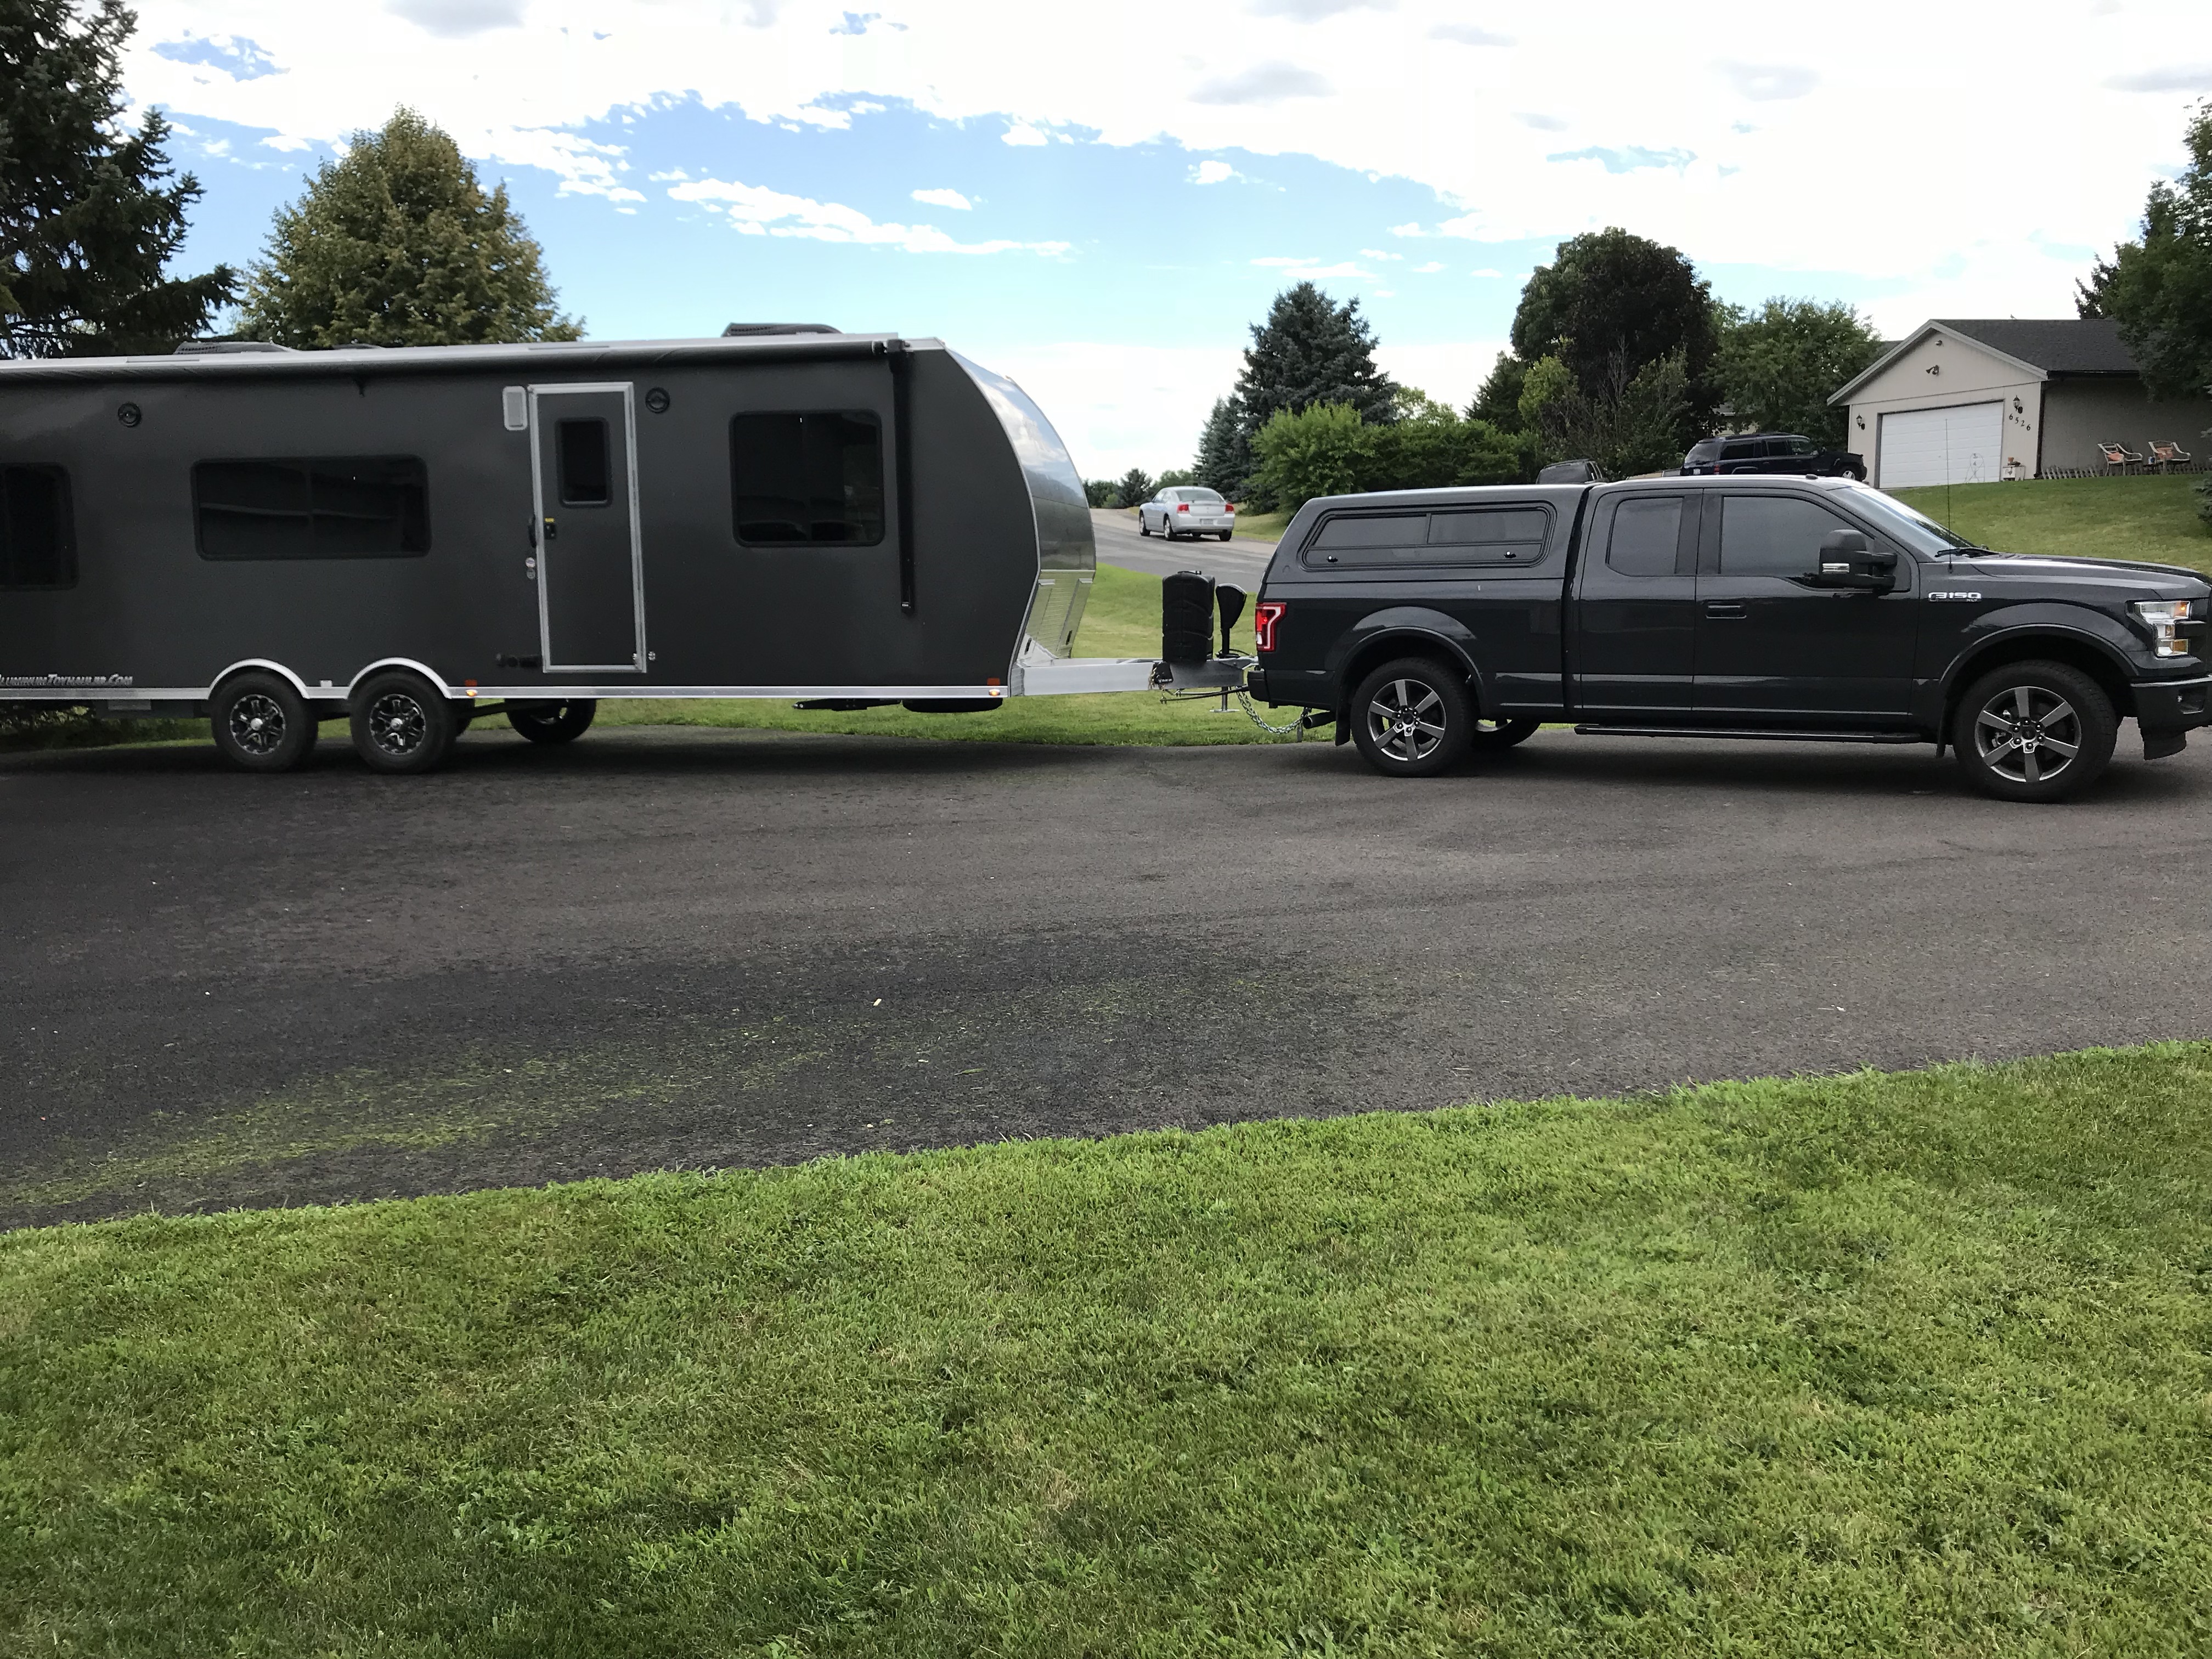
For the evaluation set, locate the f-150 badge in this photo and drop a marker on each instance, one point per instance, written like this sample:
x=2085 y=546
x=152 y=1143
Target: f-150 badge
x=1953 y=594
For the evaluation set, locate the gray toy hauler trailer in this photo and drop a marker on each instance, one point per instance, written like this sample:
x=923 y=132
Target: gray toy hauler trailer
x=412 y=537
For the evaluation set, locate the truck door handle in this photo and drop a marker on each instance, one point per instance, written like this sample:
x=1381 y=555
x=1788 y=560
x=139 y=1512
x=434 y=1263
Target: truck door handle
x=1724 y=609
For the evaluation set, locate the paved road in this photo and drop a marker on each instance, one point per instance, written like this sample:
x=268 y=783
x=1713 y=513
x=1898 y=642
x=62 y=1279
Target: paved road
x=698 y=947
x=1243 y=560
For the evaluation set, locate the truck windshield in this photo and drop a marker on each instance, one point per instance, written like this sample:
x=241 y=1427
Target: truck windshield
x=1915 y=530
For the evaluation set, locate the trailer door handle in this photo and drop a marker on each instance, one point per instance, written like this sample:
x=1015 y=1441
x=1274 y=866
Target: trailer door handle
x=1724 y=611
x=551 y=530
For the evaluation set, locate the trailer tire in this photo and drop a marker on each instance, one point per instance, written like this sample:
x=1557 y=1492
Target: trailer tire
x=553 y=722
x=401 y=722
x=261 y=723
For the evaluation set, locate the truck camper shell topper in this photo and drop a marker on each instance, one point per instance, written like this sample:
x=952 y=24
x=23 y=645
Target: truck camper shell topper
x=806 y=515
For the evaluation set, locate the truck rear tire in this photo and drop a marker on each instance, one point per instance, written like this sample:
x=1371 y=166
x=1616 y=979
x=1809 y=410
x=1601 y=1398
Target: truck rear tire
x=2033 y=731
x=261 y=723
x=1412 y=718
x=1493 y=736
x=401 y=722
x=553 y=722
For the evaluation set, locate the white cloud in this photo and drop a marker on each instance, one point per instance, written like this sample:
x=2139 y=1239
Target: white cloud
x=1432 y=266
x=285 y=141
x=1312 y=11
x=1262 y=84
x=1414 y=229
x=1119 y=406
x=944 y=198
x=1379 y=96
x=1469 y=35
x=1377 y=254
x=1213 y=172
x=1279 y=259
x=458 y=19
x=756 y=210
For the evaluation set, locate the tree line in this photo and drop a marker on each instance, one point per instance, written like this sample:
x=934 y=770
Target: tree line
x=395 y=242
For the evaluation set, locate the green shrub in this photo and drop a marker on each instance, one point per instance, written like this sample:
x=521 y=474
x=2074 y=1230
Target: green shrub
x=1327 y=449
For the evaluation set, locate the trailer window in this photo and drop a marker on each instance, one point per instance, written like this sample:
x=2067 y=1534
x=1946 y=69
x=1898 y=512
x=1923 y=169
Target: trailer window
x=807 y=478
x=38 y=532
x=585 y=475
x=336 y=506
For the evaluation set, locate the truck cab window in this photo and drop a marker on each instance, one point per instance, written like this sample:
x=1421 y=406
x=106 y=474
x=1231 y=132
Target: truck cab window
x=332 y=507
x=812 y=478
x=585 y=477
x=37 y=534
x=1773 y=535
x=1646 y=533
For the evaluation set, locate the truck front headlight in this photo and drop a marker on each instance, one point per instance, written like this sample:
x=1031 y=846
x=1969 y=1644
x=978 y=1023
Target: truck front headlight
x=2163 y=618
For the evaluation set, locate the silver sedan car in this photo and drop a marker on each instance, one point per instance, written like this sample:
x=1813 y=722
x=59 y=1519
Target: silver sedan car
x=1187 y=510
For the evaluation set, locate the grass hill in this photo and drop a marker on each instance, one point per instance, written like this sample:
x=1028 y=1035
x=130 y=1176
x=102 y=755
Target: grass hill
x=2138 y=518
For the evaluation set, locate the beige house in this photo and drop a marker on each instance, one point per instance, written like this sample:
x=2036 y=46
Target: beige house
x=1973 y=402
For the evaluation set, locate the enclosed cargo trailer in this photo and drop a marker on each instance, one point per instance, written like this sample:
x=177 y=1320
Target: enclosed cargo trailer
x=409 y=537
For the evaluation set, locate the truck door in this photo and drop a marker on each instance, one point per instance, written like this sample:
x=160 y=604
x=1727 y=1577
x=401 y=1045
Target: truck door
x=1636 y=608
x=1770 y=646
x=591 y=571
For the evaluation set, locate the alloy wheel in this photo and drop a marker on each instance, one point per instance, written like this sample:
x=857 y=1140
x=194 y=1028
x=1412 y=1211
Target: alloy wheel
x=257 y=723
x=1406 y=719
x=2028 y=734
x=397 y=723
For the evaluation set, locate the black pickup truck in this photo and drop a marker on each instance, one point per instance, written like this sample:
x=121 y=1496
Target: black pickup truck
x=1430 y=624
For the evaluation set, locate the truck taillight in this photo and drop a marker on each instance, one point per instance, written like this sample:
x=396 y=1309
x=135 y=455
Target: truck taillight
x=1264 y=619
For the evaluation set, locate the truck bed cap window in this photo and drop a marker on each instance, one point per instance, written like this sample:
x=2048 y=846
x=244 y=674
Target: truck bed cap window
x=1505 y=535
x=807 y=477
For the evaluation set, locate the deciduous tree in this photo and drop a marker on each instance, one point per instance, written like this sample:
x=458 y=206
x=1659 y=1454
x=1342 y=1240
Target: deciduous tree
x=397 y=244
x=91 y=212
x=2159 y=289
x=1776 y=366
x=1610 y=304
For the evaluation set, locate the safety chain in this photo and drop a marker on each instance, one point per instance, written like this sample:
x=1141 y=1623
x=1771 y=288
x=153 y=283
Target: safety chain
x=1297 y=728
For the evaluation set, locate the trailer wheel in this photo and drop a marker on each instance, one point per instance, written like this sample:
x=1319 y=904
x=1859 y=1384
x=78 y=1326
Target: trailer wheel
x=401 y=723
x=261 y=724
x=552 y=722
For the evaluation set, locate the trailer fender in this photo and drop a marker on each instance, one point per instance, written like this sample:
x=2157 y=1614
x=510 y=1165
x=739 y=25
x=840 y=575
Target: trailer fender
x=263 y=663
x=423 y=669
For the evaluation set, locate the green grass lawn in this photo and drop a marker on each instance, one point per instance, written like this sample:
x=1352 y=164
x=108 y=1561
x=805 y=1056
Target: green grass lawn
x=1899 y=1364
x=2144 y=517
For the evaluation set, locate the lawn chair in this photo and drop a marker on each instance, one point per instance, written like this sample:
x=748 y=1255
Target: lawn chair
x=2118 y=457
x=2168 y=455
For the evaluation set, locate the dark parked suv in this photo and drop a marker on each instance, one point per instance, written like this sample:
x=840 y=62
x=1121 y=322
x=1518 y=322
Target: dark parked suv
x=1429 y=623
x=1770 y=452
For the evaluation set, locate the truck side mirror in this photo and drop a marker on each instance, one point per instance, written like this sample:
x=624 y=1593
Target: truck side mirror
x=1847 y=561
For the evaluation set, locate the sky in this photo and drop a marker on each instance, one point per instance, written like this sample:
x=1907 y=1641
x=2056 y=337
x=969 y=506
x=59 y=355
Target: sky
x=1099 y=201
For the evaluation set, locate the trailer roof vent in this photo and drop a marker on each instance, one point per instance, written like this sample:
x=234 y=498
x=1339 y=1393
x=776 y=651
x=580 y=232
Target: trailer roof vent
x=224 y=348
x=737 y=331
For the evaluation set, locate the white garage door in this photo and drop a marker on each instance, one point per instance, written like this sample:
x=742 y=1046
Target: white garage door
x=1942 y=445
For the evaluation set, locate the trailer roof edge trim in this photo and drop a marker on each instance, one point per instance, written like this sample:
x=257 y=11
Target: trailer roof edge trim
x=562 y=357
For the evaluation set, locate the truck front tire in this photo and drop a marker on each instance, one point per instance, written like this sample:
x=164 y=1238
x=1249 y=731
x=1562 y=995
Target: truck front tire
x=2033 y=731
x=401 y=722
x=1412 y=718
x=261 y=723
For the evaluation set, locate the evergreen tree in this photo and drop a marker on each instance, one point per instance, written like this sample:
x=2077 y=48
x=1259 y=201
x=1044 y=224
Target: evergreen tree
x=1776 y=366
x=91 y=213
x=1608 y=296
x=2159 y=290
x=1135 y=488
x=397 y=244
x=1310 y=351
x=1224 y=449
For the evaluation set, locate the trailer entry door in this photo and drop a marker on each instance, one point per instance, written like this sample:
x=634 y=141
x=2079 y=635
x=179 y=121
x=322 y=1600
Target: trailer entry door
x=591 y=562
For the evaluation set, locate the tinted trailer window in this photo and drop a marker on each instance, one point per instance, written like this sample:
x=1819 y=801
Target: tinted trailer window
x=37 y=534
x=807 y=477
x=346 y=507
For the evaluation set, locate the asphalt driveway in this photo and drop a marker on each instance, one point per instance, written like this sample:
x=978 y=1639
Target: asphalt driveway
x=705 y=948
